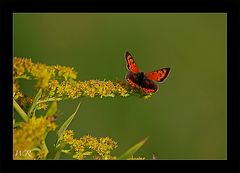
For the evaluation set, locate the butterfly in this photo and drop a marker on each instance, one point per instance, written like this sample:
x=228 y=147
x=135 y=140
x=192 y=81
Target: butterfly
x=145 y=81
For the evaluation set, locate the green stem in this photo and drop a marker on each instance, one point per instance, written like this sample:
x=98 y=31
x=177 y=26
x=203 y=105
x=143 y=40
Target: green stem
x=44 y=146
x=20 y=111
x=55 y=153
x=35 y=100
x=49 y=100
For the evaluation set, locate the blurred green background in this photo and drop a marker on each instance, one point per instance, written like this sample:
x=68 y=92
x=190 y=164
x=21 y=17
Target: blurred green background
x=185 y=119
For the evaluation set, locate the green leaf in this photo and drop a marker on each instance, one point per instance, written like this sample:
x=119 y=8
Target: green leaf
x=66 y=124
x=17 y=124
x=23 y=77
x=20 y=111
x=52 y=109
x=57 y=156
x=66 y=151
x=56 y=152
x=130 y=152
x=35 y=100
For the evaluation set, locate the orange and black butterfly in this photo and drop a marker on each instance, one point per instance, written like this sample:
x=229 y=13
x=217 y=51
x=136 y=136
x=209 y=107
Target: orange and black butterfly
x=144 y=81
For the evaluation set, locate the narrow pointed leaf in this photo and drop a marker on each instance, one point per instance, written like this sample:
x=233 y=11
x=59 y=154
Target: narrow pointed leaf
x=35 y=100
x=66 y=123
x=54 y=154
x=20 y=111
x=57 y=156
x=130 y=152
x=52 y=109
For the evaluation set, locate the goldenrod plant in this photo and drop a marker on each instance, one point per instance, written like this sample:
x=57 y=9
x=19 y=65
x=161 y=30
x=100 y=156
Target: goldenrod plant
x=53 y=84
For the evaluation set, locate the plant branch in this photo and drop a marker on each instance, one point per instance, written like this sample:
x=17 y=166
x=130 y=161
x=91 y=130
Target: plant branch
x=20 y=111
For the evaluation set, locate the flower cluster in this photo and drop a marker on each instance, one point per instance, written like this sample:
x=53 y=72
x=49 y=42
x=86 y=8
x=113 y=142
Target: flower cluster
x=16 y=91
x=30 y=136
x=91 y=88
x=25 y=68
x=59 y=82
x=26 y=101
x=89 y=146
x=136 y=158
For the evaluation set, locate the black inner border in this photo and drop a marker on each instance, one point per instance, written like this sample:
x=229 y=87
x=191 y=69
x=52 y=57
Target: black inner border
x=231 y=7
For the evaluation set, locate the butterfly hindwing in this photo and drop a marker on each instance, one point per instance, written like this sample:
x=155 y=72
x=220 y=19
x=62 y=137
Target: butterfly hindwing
x=132 y=66
x=158 y=75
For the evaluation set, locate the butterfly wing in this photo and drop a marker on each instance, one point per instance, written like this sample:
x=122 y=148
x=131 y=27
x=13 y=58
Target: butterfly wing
x=158 y=75
x=132 y=66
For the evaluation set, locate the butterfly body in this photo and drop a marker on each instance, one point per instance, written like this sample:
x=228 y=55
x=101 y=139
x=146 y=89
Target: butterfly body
x=136 y=77
x=144 y=81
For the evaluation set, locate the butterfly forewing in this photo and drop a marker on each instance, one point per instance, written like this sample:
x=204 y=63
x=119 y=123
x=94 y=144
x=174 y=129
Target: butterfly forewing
x=132 y=66
x=158 y=75
x=144 y=81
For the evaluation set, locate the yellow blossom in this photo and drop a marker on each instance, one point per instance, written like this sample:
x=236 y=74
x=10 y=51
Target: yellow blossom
x=25 y=66
x=136 y=158
x=87 y=145
x=60 y=81
x=31 y=135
